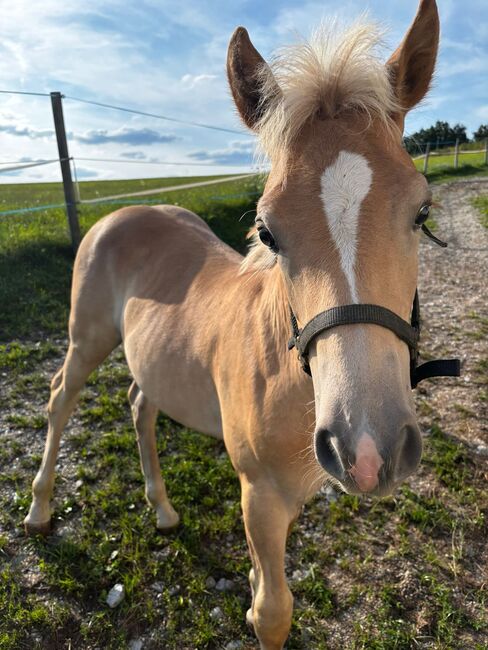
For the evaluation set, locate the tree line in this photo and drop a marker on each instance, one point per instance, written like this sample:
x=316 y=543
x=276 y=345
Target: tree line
x=441 y=135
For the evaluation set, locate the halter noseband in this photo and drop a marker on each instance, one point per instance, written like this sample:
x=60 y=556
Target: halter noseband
x=363 y=313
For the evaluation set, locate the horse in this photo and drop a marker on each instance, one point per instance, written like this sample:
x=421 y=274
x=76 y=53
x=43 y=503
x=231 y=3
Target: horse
x=205 y=330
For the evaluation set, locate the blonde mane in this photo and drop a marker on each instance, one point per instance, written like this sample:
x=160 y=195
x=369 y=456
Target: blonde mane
x=336 y=70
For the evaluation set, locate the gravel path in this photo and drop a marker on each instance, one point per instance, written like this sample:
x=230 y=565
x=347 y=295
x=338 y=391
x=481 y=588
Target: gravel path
x=453 y=296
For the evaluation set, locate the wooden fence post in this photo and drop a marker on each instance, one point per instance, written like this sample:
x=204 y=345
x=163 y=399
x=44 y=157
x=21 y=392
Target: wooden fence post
x=456 y=154
x=486 y=151
x=64 y=161
x=426 y=158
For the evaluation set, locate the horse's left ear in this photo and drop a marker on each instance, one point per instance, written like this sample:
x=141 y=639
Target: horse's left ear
x=412 y=64
x=248 y=74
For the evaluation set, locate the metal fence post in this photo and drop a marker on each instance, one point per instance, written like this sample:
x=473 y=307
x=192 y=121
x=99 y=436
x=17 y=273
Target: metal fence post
x=456 y=154
x=426 y=159
x=69 y=192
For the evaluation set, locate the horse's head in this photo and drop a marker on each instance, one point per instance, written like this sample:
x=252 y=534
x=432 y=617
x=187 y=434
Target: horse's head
x=340 y=215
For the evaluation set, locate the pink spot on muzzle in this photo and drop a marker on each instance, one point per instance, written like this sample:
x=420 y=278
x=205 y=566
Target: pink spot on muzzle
x=367 y=465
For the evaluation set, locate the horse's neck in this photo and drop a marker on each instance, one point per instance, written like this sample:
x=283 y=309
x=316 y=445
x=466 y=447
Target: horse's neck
x=271 y=327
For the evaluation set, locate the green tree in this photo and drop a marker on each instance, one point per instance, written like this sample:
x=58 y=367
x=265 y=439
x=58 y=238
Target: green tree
x=440 y=135
x=481 y=133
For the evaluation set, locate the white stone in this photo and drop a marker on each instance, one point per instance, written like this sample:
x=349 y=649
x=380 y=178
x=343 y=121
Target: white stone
x=115 y=595
x=216 y=614
x=224 y=585
x=234 y=645
x=136 y=644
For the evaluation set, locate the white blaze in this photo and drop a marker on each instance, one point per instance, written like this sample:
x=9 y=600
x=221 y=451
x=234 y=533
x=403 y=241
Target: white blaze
x=344 y=185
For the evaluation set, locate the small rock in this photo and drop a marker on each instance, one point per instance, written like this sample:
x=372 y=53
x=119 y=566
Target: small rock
x=210 y=583
x=136 y=644
x=157 y=586
x=115 y=595
x=216 y=614
x=78 y=484
x=224 y=585
x=482 y=449
x=301 y=574
x=329 y=493
x=234 y=645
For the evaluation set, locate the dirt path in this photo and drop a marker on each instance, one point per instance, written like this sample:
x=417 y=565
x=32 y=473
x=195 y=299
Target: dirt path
x=453 y=294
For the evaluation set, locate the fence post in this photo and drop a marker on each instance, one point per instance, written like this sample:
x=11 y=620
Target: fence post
x=69 y=192
x=456 y=154
x=486 y=151
x=426 y=159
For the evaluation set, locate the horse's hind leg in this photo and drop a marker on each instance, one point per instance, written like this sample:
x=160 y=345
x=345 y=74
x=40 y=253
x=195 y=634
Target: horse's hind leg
x=144 y=415
x=80 y=360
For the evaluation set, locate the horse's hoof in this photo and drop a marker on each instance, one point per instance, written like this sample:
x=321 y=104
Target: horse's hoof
x=32 y=529
x=168 y=523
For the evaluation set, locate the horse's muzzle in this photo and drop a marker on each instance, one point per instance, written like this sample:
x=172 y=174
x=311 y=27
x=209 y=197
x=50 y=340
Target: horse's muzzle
x=366 y=463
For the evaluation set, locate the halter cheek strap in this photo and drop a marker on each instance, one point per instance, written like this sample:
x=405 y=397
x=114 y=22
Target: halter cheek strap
x=376 y=315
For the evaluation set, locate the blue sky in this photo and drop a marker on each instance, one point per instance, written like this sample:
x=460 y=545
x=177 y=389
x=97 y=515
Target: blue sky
x=168 y=57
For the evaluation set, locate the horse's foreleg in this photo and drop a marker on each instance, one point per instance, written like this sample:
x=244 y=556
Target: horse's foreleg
x=267 y=518
x=145 y=414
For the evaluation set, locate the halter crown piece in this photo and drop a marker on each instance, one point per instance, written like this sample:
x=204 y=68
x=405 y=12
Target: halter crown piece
x=377 y=315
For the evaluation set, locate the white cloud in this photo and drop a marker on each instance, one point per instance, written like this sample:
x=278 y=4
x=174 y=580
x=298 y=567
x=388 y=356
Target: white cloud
x=190 y=80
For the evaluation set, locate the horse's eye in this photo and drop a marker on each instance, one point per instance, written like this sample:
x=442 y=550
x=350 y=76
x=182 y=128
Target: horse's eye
x=422 y=215
x=267 y=238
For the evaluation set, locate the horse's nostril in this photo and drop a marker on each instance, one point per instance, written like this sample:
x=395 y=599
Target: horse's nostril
x=327 y=455
x=409 y=452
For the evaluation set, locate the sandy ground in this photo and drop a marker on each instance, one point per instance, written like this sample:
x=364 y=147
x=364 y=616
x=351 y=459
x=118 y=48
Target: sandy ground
x=454 y=299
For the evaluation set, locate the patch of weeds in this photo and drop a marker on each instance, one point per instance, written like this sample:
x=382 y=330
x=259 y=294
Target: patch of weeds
x=449 y=461
x=36 y=422
x=315 y=592
x=446 y=618
x=343 y=510
x=464 y=411
x=481 y=202
x=107 y=407
x=19 y=357
x=481 y=368
x=424 y=408
x=32 y=386
x=426 y=513
x=482 y=332
x=25 y=621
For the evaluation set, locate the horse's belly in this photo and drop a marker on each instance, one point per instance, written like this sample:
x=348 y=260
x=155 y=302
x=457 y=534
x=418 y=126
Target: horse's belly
x=179 y=386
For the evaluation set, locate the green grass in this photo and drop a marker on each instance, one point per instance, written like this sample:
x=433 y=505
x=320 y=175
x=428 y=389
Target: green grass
x=38 y=243
x=397 y=573
x=441 y=168
x=481 y=202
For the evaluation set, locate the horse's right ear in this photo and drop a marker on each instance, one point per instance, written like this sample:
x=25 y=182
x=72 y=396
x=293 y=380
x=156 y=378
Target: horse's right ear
x=248 y=73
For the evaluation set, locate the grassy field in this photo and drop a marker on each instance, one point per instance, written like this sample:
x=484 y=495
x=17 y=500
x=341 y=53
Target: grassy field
x=390 y=574
x=441 y=167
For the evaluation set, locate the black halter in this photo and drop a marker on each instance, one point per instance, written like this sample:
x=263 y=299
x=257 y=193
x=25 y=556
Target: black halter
x=363 y=313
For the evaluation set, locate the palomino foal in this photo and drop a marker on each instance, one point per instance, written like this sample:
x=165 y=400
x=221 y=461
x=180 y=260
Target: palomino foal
x=205 y=332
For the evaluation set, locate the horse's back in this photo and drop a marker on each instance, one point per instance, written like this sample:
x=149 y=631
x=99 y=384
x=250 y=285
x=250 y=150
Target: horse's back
x=151 y=252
